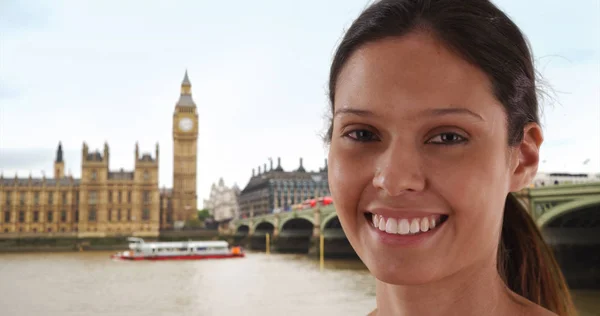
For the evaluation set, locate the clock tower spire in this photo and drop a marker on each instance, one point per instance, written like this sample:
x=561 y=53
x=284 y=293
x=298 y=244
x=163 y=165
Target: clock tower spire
x=185 y=138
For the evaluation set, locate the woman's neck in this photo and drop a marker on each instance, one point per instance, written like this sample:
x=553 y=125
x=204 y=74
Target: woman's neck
x=473 y=291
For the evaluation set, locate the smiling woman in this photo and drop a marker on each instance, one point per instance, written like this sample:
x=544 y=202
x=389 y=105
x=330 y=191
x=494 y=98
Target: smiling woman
x=434 y=124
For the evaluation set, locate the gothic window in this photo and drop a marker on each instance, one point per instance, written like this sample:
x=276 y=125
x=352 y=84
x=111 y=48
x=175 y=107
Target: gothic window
x=146 y=214
x=146 y=197
x=50 y=198
x=36 y=216
x=63 y=216
x=7 y=217
x=7 y=197
x=36 y=198
x=22 y=198
x=93 y=198
x=92 y=215
x=94 y=175
x=50 y=217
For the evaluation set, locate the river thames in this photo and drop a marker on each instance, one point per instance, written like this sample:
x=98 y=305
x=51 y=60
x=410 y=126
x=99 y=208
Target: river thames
x=90 y=283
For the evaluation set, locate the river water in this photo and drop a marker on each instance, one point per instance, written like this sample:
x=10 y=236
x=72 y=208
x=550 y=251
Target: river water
x=89 y=283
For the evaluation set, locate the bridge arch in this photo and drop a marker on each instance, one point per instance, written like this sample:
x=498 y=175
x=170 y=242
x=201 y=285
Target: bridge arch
x=327 y=220
x=264 y=227
x=287 y=220
x=243 y=229
x=565 y=208
x=264 y=224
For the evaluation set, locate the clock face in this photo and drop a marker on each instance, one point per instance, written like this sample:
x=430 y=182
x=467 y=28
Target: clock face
x=186 y=124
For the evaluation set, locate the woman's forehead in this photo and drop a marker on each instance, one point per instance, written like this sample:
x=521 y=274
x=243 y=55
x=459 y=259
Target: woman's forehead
x=416 y=72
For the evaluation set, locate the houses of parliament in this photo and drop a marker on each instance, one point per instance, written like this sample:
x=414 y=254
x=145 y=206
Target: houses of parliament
x=105 y=202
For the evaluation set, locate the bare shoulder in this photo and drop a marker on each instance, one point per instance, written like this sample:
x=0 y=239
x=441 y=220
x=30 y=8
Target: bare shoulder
x=530 y=308
x=536 y=310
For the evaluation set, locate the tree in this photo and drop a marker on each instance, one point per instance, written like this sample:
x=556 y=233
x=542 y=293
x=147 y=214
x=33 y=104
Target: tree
x=203 y=214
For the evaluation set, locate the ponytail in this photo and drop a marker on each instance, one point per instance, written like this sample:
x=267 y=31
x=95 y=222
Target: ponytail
x=527 y=265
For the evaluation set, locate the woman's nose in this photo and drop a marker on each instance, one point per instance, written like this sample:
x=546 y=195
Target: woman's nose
x=398 y=170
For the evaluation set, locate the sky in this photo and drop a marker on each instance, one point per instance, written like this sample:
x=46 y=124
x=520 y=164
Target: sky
x=110 y=71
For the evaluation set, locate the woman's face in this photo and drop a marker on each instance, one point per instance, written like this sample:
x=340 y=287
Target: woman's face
x=419 y=166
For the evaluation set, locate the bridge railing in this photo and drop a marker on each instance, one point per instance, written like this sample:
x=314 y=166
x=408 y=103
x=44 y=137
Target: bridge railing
x=296 y=233
x=333 y=233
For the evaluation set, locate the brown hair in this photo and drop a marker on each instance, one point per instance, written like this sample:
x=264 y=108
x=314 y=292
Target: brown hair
x=486 y=37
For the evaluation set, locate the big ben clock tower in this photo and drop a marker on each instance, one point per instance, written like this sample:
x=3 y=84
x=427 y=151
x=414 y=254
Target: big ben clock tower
x=185 y=138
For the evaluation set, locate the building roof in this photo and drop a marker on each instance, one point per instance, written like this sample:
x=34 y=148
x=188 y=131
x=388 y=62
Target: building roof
x=186 y=100
x=263 y=180
x=95 y=156
x=23 y=182
x=186 y=79
x=147 y=158
x=120 y=175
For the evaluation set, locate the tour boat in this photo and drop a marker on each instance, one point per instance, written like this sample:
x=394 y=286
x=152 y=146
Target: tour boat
x=183 y=250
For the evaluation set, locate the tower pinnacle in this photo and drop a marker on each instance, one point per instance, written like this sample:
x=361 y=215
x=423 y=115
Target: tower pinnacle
x=185 y=99
x=59 y=153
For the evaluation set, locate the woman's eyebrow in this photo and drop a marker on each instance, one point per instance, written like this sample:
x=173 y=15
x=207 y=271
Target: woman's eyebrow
x=428 y=112
x=452 y=111
x=352 y=111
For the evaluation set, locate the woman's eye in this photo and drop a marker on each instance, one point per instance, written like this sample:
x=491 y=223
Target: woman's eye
x=447 y=139
x=362 y=135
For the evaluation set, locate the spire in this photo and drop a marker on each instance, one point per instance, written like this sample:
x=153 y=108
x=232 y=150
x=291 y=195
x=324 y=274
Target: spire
x=185 y=99
x=301 y=168
x=157 y=151
x=106 y=151
x=59 y=153
x=186 y=80
x=279 y=169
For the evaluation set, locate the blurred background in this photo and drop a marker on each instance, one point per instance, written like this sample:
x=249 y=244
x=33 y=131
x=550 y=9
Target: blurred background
x=203 y=120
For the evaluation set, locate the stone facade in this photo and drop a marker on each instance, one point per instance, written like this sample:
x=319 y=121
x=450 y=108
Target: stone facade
x=275 y=189
x=106 y=202
x=183 y=197
x=102 y=203
x=223 y=202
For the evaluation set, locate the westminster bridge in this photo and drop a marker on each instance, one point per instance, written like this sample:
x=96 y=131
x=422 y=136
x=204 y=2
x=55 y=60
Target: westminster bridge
x=568 y=216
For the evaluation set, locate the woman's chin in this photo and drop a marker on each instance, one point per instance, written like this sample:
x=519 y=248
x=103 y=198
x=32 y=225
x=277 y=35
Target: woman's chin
x=397 y=275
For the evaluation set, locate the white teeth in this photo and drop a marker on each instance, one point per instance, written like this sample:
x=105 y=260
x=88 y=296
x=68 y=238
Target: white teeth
x=414 y=226
x=424 y=224
x=381 y=223
x=403 y=227
x=391 y=227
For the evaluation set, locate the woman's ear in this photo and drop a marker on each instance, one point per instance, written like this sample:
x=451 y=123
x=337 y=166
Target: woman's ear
x=526 y=157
